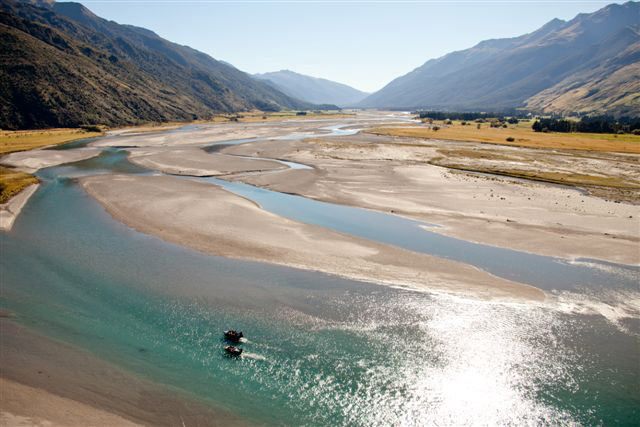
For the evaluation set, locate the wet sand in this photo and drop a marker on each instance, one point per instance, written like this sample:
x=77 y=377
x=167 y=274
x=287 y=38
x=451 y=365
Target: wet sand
x=46 y=382
x=394 y=176
x=212 y=220
x=48 y=409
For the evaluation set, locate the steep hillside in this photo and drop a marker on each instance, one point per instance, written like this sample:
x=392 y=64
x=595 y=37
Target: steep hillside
x=543 y=69
x=313 y=89
x=600 y=90
x=61 y=65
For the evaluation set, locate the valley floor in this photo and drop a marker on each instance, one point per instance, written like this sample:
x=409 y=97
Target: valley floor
x=460 y=187
x=410 y=177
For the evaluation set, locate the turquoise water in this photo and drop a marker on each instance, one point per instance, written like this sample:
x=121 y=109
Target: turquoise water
x=322 y=350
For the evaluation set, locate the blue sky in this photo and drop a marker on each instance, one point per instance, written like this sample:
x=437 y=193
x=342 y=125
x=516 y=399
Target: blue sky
x=364 y=44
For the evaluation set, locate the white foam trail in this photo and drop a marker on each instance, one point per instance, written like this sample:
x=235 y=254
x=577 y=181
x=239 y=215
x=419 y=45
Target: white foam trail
x=253 y=356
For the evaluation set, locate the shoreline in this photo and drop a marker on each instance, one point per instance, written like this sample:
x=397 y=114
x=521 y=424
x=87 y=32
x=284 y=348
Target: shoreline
x=207 y=218
x=9 y=211
x=30 y=162
x=49 y=382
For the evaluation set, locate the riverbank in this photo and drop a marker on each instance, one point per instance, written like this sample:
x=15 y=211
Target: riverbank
x=9 y=211
x=396 y=175
x=207 y=218
x=18 y=185
x=17 y=142
x=47 y=382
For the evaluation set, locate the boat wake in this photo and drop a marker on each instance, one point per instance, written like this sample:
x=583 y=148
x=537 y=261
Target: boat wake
x=254 y=356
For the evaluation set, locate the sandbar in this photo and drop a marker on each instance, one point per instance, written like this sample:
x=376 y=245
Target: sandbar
x=33 y=160
x=394 y=175
x=194 y=161
x=212 y=220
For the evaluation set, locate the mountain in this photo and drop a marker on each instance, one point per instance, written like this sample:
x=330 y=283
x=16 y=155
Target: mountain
x=588 y=64
x=313 y=89
x=61 y=65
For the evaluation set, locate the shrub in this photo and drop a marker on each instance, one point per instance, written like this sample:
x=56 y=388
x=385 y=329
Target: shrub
x=91 y=128
x=510 y=139
x=478 y=126
x=504 y=126
x=448 y=122
x=301 y=113
x=636 y=132
x=436 y=128
x=463 y=123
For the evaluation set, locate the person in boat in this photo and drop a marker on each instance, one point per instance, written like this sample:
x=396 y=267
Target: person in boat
x=233 y=335
x=233 y=351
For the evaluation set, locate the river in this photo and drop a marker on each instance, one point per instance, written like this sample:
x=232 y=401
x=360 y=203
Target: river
x=323 y=350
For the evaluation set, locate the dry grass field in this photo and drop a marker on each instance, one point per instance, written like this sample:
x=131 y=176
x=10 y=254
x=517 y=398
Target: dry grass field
x=522 y=134
x=23 y=140
x=12 y=182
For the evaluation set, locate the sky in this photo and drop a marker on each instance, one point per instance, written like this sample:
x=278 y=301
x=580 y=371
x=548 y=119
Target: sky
x=364 y=44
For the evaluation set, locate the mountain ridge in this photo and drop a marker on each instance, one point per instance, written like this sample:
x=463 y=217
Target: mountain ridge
x=62 y=66
x=313 y=89
x=514 y=72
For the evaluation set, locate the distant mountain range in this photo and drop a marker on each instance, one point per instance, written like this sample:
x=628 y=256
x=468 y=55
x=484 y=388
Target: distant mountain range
x=61 y=65
x=313 y=89
x=590 y=64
